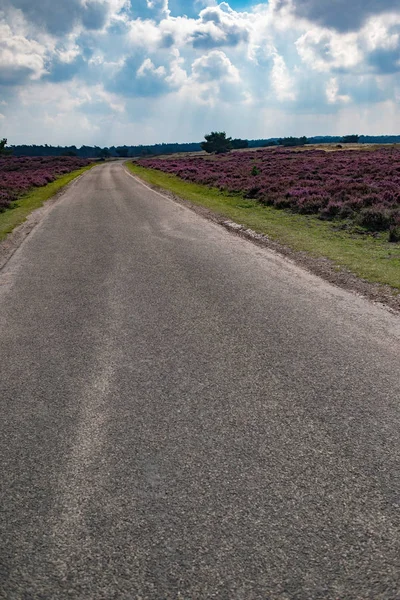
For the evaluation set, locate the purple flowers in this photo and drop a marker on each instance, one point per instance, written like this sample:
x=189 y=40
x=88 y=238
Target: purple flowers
x=19 y=174
x=360 y=185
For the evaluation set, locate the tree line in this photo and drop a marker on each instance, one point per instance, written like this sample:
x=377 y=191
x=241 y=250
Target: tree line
x=106 y=152
x=218 y=143
x=214 y=142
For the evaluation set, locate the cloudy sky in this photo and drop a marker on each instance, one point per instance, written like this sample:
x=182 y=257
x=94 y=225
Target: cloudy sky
x=111 y=72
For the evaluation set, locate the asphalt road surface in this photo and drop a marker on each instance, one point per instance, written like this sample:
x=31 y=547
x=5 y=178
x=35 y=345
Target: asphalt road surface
x=185 y=415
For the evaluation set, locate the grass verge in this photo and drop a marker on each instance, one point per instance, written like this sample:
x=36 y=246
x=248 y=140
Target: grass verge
x=27 y=203
x=371 y=258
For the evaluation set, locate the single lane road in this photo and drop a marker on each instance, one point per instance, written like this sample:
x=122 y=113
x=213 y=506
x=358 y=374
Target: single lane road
x=186 y=415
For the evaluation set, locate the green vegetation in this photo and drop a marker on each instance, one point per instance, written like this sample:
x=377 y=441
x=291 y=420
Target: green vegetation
x=350 y=139
x=288 y=142
x=217 y=142
x=371 y=257
x=27 y=203
x=3 y=150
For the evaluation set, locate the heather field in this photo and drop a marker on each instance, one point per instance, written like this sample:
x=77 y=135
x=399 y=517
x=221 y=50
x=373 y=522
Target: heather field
x=358 y=187
x=20 y=174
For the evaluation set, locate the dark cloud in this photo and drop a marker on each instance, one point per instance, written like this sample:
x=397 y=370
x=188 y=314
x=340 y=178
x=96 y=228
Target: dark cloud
x=6 y=94
x=148 y=9
x=64 y=71
x=206 y=40
x=364 y=89
x=183 y=7
x=58 y=17
x=10 y=76
x=343 y=15
x=130 y=81
x=94 y=15
x=167 y=40
x=118 y=28
x=385 y=61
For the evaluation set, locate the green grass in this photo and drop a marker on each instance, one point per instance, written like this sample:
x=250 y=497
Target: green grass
x=27 y=203
x=372 y=258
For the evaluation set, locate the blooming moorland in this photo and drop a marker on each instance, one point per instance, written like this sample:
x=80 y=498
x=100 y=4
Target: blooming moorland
x=19 y=174
x=357 y=185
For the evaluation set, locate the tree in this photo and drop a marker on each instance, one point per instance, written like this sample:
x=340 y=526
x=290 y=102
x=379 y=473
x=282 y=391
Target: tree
x=105 y=153
x=293 y=141
x=238 y=143
x=217 y=142
x=3 y=150
x=350 y=139
x=123 y=152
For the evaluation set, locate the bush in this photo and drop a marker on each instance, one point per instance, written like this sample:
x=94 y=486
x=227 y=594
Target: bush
x=253 y=192
x=394 y=234
x=394 y=229
x=375 y=218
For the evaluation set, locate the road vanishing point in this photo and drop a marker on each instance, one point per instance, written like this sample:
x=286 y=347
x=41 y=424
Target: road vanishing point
x=186 y=415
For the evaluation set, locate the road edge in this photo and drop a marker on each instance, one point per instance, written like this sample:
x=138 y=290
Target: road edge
x=324 y=268
x=10 y=244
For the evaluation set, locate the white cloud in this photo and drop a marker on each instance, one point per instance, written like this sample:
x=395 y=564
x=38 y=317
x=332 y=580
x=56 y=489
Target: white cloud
x=327 y=50
x=113 y=60
x=144 y=30
x=214 y=66
x=282 y=83
x=324 y=50
x=332 y=92
x=219 y=26
x=20 y=58
x=178 y=76
x=148 y=68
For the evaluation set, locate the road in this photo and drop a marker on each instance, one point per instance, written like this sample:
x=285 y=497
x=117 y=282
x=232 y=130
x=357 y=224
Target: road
x=187 y=415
